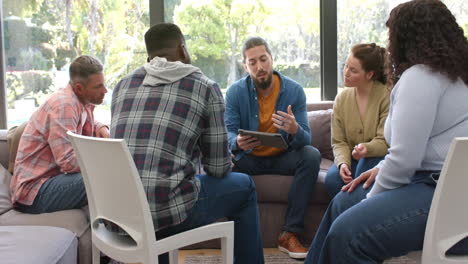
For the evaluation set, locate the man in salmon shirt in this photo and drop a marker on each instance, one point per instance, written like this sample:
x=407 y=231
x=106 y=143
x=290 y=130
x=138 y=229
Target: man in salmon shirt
x=47 y=177
x=267 y=101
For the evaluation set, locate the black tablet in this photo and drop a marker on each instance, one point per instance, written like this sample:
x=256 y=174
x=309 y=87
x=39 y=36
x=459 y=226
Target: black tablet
x=266 y=139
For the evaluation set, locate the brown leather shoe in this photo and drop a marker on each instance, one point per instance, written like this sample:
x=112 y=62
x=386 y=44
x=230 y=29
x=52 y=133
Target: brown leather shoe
x=289 y=243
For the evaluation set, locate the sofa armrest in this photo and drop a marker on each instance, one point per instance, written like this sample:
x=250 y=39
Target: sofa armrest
x=4 y=150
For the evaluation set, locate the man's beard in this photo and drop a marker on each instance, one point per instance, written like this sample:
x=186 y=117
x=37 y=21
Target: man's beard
x=96 y=101
x=264 y=84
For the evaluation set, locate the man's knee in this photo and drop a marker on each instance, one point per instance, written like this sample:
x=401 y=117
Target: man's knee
x=243 y=180
x=244 y=187
x=310 y=157
x=311 y=154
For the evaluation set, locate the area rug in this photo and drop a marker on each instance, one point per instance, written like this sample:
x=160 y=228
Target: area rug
x=275 y=259
x=216 y=259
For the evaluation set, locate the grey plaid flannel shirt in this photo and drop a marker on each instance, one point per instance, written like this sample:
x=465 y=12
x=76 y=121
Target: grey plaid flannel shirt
x=168 y=128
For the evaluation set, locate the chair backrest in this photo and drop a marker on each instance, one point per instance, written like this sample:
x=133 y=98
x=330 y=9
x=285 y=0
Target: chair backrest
x=115 y=192
x=448 y=218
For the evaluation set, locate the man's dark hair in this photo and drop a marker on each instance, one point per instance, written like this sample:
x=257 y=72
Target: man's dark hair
x=254 y=42
x=84 y=66
x=162 y=36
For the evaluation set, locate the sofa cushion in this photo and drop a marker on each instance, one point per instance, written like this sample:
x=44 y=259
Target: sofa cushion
x=5 y=201
x=13 y=138
x=320 y=131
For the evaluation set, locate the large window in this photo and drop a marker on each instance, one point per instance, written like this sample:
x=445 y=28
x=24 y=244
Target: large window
x=42 y=37
x=216 y=29
x=364 y=22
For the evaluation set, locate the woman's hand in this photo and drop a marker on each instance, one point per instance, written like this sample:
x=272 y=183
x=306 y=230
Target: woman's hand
x=367 y=177
x=345 y=173
x=359 y=151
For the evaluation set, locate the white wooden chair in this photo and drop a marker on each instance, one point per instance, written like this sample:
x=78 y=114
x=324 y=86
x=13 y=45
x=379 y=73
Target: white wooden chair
x=115 y=193
x=447 y=223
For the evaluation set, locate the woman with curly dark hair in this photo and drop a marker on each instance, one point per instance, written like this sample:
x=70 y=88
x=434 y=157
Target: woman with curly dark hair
x=428 y=108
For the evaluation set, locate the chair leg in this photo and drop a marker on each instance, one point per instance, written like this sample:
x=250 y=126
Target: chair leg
x=173 y=256
x=96 y=255
x=227 y=252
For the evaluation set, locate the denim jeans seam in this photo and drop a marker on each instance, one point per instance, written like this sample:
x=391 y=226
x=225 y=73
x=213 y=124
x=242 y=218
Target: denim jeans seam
x=379 y=227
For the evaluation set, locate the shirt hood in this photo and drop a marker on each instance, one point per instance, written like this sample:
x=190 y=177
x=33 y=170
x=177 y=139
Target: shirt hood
x=161 y=71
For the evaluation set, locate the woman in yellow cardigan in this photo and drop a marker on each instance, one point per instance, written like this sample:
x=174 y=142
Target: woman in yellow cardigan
x=359 y=114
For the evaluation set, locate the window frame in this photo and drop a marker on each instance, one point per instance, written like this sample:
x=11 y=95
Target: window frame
x=328 y=54
x=3 y=97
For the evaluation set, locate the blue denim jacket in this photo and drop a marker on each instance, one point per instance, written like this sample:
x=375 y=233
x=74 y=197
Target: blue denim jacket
x=242 y=111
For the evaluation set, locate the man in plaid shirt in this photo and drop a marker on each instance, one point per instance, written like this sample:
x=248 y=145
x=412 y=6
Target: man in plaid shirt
x=171 y=116
x=47 y=177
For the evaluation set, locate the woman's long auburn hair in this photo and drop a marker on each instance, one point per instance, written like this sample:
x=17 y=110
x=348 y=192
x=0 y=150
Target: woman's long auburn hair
x=372 y=58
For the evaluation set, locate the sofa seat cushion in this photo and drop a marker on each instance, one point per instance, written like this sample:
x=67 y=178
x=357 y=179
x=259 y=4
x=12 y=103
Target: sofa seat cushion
x=274 y=188
x=74 y=220
x=25 y=244
x=325 y=164
x=5 y=200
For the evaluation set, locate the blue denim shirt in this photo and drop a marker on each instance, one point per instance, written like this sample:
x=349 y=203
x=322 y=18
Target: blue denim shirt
x=242 y=111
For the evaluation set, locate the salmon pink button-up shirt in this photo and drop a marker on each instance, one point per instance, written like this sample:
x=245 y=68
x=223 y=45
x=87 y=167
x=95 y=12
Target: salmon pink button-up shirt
x=44 y=150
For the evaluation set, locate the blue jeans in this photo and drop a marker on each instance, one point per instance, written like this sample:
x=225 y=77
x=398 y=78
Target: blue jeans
x=333 y=181
x=304 y=164
x=61 y=192
x=233 y=197
x=390 y=224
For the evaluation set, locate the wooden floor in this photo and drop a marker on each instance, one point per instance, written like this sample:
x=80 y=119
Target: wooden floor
x=185 y=253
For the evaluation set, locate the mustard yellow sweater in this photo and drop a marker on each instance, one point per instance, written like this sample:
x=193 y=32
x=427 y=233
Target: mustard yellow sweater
x=348 y=129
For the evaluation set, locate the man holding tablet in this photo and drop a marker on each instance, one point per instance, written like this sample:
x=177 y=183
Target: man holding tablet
x=266 y=101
